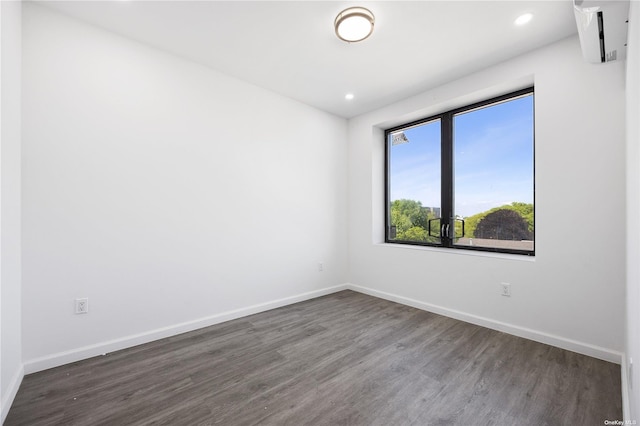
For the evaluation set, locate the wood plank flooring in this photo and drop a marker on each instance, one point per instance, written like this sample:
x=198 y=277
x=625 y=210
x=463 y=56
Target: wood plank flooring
x=342 y=359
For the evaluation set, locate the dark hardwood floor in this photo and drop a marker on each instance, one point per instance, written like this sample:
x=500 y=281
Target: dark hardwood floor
x=342 y=359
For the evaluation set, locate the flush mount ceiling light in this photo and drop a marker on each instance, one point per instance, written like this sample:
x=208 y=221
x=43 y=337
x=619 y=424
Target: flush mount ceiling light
x=354 y=24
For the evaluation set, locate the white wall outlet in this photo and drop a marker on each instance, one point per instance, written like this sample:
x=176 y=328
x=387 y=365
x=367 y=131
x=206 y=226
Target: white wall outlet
x=320 y=266
x=82 y=305
x=505 y=289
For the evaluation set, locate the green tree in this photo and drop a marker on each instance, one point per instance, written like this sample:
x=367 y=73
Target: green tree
x=503 y=224
x=411 y=220
x=415 y=233
x=523 y=209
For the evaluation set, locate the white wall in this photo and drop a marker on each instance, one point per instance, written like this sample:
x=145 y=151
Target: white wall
x=572 y=293
x=11 y=372
x=170 y=194
x=633 y=215
x=165 y=192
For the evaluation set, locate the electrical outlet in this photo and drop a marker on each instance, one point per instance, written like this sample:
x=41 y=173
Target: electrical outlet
x=320 y=266
x=505 y=289
x=82 y=305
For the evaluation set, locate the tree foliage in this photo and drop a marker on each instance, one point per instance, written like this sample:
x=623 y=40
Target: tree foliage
x=410 y=220
x=525 y=210
x=503 y=224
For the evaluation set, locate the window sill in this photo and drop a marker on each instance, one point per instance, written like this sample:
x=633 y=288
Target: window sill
x=463 y=252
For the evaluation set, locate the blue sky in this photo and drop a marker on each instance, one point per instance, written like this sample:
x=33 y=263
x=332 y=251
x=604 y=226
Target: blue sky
x=493 y=159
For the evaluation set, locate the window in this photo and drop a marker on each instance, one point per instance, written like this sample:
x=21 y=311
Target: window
x=464 y=179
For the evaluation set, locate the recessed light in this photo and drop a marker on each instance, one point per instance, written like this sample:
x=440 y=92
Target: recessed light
x=523 y=19
x=349 y=96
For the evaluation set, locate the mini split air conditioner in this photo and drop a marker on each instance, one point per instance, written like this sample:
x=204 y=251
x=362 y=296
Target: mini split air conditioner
x=602 y=27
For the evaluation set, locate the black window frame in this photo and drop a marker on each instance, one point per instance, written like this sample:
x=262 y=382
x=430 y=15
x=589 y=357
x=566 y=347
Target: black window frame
x=447 y=174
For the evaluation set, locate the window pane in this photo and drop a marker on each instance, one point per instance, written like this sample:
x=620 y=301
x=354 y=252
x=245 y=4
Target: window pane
x=493 y=175
x=414 y=183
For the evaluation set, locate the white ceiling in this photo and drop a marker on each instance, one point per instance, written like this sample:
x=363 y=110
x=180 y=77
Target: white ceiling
x=290 y=47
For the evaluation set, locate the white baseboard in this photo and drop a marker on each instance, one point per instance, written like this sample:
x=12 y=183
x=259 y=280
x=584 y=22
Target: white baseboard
x=624 y=370
x=538 y=336
x=85 y=352
x=78 y=354
x=10 y=395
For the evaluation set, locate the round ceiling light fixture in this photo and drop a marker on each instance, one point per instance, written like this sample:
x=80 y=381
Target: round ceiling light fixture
x=354 y=24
